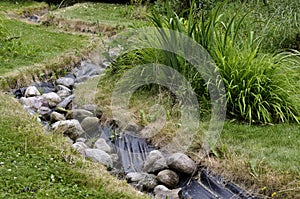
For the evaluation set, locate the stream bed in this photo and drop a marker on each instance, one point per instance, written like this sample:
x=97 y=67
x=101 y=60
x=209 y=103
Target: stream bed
x=127 y=156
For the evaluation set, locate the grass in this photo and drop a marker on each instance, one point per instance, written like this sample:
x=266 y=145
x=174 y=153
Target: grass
x=258 y=141
x=281 y=17
x=7 y=5
x=111 y=14
x=265 y=158
x=36 y=164
x=29 y=47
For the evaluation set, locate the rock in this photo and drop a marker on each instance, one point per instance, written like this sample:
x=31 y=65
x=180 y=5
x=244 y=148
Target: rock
x=32 y=91
x=63 y=94
x=45 y=112
x=99 y=156
x=63 y=91
x=133 y=127
x=52 y=98
x=182 y=163
x=33 y=102
x=90 y=125
x=88 y=70
x=70 y=128
x=81 y=140
x=94 y=109
x=65 y=81
x=134 y=176
x=55 y=116
x=102 y=145
x=115 y=158
x=82 y=79
x=66 y=103
x=168 y=178
x=45 y=87
x=162 y=192
x=148 y=182
x=80 y=147
x=143 y=181
x=155 y=162
x=79 y=114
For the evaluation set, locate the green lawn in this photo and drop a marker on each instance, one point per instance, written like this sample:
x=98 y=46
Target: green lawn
x=277 y=146
x=35 y=44
x=111 y=14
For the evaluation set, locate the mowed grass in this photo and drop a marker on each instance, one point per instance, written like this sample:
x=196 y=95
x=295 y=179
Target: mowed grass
x=25 y=44
x=35 y=44
x=277 y=146
x=110 y=14
x=40 y=165
x=10 y=5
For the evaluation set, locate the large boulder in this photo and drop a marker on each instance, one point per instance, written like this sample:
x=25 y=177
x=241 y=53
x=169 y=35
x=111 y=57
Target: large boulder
x=70 y=128
x=182 y=163
x=168 y=178
x=99 y=156
x=155 y=162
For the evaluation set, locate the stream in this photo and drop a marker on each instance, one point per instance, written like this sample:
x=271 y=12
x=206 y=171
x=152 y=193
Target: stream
x=125 y=155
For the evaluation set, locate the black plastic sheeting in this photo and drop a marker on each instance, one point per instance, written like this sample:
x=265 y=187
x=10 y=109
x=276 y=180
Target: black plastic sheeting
x=209 y=186
x=133 y=152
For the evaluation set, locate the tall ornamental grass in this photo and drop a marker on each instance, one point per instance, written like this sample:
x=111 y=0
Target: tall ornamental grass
x=260 y=88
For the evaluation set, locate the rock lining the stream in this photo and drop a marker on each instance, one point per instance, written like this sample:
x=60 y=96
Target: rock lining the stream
x=146 y=168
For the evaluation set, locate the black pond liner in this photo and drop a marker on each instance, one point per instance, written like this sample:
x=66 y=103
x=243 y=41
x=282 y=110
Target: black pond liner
x=133 y=152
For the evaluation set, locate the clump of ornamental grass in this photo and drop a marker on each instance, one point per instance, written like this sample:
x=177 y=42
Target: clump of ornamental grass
x=260 y=88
